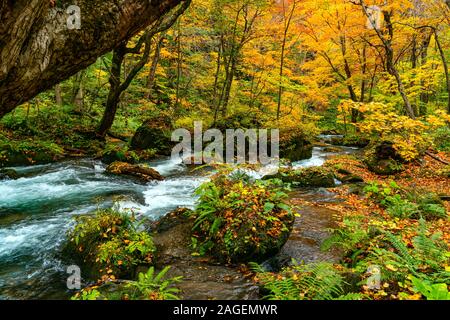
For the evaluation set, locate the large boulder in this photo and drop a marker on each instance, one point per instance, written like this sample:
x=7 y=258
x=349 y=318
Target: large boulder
x=141 y=172
x=313 y=177
x=154 y=134
x=296 y=148
x=383 y=159
x=241 y=221
x=107 y=244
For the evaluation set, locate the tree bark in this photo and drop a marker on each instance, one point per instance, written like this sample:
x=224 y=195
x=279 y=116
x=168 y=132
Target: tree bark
x=37 y=49
x=114 y=91
x=77 y=98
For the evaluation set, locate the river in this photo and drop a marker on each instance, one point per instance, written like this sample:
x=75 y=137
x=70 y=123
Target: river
x=37 y=210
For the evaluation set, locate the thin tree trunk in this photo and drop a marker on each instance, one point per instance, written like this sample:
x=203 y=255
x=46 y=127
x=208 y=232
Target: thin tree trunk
x=216 y=82
x=78 y=92
x=389 y=51
x=58 y=95
x=445 y=65
x=424 y=97
x=117 y=87
x=114 y=92
x=179 y=63
x=154 y=66
x=283 y=48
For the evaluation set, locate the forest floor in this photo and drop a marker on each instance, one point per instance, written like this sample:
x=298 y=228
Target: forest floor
x=420 y=178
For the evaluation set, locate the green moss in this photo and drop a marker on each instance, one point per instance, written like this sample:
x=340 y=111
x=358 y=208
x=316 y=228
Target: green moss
x=239 y=220
x=107 y=244
x=313 y=177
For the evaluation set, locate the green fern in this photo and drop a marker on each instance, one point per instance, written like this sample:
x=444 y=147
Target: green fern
x=426 y=260
x=318 y=281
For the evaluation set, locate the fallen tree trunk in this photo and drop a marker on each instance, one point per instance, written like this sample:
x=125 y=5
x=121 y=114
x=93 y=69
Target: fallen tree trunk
x=38 y=49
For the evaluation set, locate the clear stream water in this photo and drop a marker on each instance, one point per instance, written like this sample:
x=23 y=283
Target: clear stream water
x=36 y=212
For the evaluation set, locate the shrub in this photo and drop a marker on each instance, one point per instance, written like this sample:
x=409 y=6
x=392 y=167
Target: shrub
x=437 y=291
x=441 y=139
x=108 y=243
x=400 y=208
x=403 y=204
x=410 y=137
x=241 y=220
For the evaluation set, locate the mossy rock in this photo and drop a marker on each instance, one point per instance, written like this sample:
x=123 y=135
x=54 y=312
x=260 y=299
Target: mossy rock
x=350 y=141
x=11 y=158
x=250 y=221
x=154 y=134
x=313 y=177
x=106 y=243
x=296 y=149
x=9 y=174
x=384 y=167
x=383 y=159
x=141 y=172
x=347 y=177
x=245 y=250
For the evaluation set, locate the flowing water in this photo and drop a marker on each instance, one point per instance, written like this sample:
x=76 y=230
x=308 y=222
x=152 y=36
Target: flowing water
x=37 y=210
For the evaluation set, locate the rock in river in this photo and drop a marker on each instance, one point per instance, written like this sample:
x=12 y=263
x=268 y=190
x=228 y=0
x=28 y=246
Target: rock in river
x=141 y=172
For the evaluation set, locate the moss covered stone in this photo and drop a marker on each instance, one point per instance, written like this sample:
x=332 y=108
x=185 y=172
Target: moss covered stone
x=239 y=221
x=8 y=174
x=313 y=177
x=140 y=172
x=107 y=244
x=383 y=159
x=154 y=134
x=297 y=148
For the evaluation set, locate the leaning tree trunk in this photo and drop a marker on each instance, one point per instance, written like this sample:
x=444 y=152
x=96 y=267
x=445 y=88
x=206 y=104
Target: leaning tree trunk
x=37 y=49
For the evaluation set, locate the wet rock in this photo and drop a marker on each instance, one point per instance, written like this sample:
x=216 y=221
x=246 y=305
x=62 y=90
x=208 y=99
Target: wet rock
x=349 y=141
x=154 y=134
x=11 y=158
x=314 y=177
x=203 y=279
x=332 y=149
x=141 y=172
x=310 y=230
x=296 y=149
x=9 y=174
